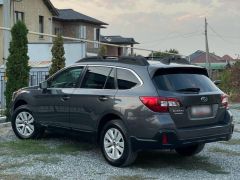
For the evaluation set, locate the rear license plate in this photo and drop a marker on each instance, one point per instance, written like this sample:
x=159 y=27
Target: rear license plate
x=201 y=111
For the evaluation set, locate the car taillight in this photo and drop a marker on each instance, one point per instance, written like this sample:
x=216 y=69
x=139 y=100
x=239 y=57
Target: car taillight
x=160 y=104
x=225 y=100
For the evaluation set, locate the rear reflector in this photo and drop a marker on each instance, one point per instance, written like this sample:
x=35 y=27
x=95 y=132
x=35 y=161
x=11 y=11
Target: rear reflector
x=164 y=139
x=225 y=101
x=160 y=104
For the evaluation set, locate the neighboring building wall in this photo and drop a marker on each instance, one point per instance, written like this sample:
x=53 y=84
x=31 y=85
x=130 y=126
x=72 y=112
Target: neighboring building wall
x=32 y=10
x=72 y=29
x=73 y=52
x=114 y=51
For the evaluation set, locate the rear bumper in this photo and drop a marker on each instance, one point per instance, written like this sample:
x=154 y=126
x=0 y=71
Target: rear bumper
x=184 y=137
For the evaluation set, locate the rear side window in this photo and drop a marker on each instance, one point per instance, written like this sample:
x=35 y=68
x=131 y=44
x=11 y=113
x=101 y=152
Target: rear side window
x=183 y=81
x=126 y=79
x=96 y=77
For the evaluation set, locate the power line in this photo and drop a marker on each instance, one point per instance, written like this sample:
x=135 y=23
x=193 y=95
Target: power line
x=185 y=35
x=220 y=36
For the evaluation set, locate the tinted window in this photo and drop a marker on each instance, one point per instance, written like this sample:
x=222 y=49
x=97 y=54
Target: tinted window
x=67 y=79
x=126 y=79
x=184 y=81
x=95 y=77
x=110 y=84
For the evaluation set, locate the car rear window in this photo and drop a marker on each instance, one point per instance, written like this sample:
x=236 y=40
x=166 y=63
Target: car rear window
x=183 y=80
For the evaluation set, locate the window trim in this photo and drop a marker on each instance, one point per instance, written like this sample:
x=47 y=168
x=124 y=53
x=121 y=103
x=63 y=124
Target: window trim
x=80 y=84
x=16 y=16
x=115 y=67
x=115 y=83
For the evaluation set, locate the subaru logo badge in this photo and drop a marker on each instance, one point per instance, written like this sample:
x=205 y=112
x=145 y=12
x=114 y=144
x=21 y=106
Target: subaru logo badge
x=204 y=99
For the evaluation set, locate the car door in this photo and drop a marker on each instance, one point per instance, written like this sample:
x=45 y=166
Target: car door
x=53 y=102
x=93 y=98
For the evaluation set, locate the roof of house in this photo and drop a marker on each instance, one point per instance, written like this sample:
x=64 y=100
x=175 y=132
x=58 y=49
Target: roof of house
x=118 y=40
x=69 y=15
x=40 y=64
x=200 y=57
x=51 y=7
x=228 y=58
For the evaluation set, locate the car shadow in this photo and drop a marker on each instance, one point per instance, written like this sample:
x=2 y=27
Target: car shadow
x=159 y=159
x=170 y=159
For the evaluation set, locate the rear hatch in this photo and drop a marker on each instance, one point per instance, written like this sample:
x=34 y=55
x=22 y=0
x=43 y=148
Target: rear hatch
x=199 y=101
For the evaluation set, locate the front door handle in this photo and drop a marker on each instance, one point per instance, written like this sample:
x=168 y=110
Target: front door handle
x=65 y=98
x=103 y=98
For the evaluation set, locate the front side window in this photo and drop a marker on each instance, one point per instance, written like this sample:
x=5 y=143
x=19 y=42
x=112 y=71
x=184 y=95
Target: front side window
x=67 y=79
x=126 y=79
x=96 y=77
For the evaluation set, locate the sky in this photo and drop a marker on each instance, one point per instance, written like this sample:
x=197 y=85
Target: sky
x=164 y=24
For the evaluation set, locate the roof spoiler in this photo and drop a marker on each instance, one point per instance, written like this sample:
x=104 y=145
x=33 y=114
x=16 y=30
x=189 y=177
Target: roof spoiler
x=170 y=59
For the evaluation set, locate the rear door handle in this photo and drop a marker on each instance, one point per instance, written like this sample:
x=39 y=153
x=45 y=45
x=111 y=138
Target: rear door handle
x=65 y=98
x=103 y=98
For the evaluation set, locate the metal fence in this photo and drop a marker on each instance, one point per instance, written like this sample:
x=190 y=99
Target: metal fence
x=35 y=78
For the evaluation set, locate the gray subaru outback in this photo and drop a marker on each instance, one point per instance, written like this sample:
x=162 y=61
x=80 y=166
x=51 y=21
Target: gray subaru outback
x=127 y=105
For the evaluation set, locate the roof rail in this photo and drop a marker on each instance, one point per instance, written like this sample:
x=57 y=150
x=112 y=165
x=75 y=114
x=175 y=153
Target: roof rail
x=133 y=60
x=170 y=59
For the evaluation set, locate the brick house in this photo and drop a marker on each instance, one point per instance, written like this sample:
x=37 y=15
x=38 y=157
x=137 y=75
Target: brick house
x=71 y=23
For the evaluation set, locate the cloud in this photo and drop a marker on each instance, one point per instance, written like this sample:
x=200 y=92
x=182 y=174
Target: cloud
x=150 y=21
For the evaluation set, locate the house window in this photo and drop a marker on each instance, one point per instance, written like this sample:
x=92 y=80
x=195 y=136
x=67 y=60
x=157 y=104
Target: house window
x=96 y=37
x=41 y=26
x=82 y=32
x=58 y=31
x=19 y=16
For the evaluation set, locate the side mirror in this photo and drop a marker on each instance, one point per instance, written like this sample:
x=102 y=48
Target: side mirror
x=217 y=82
x=43 y=85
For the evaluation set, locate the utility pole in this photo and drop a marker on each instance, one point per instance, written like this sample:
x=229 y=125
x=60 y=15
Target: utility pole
x=208 y=63
x=7 y=17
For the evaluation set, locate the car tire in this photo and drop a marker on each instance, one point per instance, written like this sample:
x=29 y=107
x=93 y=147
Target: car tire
x=190 y=150
x=116 y=145
x=25 y=125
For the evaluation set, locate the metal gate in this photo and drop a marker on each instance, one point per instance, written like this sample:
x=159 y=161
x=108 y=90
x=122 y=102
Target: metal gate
x=35 y=78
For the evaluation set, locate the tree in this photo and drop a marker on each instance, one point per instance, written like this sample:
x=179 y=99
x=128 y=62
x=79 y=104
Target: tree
x=58 y=59
x=17 y=71
x=164 y=54
x=102 y=51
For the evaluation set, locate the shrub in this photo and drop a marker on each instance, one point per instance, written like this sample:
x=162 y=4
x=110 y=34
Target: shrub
x=58 y=59
x=17 y=70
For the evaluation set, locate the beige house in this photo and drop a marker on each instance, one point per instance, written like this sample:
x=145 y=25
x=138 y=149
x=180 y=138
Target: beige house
x=41 y=16
x=37 y=15
x=74 y=24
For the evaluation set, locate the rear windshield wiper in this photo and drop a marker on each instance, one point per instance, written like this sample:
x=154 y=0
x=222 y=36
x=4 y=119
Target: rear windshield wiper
x=196 y=90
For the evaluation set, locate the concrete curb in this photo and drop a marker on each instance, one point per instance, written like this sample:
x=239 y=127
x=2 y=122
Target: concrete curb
x=3 y=119
x=4 y=125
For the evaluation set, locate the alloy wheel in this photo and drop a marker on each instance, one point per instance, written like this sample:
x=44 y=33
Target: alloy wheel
x=114 y=143
x=25 y=124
